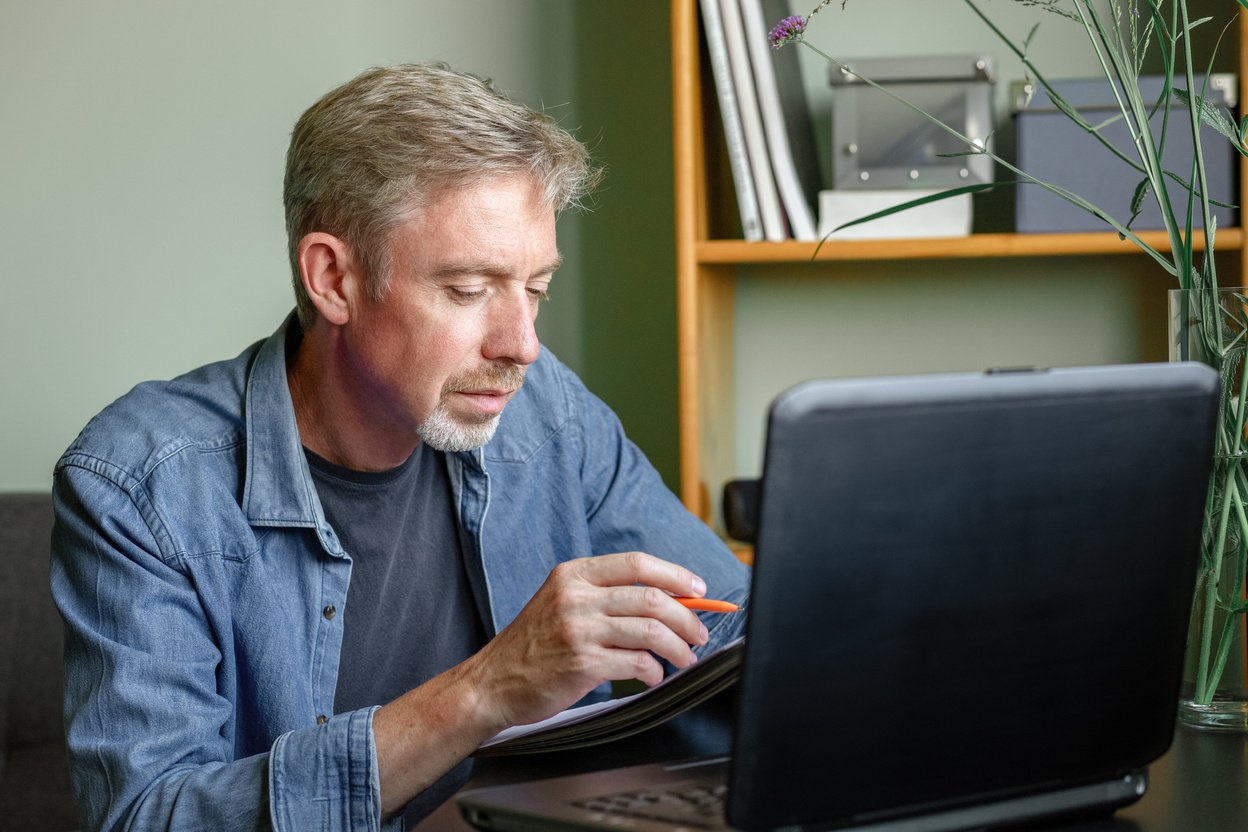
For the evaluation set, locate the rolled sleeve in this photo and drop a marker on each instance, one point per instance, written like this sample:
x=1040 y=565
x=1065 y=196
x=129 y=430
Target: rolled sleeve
x=326 y=777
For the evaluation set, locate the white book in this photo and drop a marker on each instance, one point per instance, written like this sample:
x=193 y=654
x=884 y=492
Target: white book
x=786 y=118
x=738 y=160
x=752 y=123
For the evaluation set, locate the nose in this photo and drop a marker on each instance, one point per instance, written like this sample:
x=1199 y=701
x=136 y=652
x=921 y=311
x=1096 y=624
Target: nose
x=511 y=335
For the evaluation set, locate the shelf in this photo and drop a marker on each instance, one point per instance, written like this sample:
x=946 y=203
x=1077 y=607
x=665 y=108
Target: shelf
x=707 y=273
x=976 y=245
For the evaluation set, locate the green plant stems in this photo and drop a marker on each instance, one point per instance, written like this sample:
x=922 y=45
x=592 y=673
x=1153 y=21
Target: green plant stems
x=1212 y=658
x=1137 y=123
x=1224 y=347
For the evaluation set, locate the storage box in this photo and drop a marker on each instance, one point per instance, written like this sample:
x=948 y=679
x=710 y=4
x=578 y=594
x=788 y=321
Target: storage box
x=949 y=217
x=880 y=144
x=1054 y=149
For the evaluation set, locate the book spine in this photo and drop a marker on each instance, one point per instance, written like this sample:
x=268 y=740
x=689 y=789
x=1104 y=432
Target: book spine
x=752 y=123
x=788 y=179
x=738 y=159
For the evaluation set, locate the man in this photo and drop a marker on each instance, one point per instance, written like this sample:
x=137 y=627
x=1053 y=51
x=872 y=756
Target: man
x=300 y=587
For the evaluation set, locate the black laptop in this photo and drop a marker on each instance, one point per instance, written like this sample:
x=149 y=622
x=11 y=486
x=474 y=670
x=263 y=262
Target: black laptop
x=968 y=610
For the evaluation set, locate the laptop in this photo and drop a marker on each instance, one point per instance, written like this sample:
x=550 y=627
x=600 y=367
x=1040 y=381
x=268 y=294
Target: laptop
x=968 y=609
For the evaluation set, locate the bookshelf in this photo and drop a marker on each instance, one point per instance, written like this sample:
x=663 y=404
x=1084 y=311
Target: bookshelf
x=708 y=268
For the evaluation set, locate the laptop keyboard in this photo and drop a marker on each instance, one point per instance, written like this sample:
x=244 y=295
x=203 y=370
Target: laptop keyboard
x=695 y=805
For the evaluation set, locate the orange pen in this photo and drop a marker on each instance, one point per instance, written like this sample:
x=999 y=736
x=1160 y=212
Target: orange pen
x=706 y=604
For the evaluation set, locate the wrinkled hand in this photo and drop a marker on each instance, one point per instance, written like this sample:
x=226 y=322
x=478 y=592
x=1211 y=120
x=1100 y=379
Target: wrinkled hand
x=590 y=622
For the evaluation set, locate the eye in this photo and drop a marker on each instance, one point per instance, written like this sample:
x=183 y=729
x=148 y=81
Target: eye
x=465 y=294
x=538 y=293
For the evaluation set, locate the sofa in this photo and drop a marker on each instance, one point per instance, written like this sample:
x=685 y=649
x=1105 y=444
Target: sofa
x=35 y=794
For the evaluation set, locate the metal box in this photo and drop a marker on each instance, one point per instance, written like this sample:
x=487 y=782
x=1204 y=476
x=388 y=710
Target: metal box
x=1054 y=149
x=879 y=144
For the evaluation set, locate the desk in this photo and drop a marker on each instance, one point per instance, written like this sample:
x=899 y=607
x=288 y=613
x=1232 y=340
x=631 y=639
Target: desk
x=1199 y=785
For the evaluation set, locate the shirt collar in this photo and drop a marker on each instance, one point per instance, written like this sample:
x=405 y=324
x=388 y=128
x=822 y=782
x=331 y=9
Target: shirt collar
x=278 y=490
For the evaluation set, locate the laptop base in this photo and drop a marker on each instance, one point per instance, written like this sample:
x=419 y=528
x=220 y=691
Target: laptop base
x=647 y=798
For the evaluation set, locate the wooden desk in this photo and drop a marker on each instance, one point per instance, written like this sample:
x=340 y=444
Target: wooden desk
x=1199 y=785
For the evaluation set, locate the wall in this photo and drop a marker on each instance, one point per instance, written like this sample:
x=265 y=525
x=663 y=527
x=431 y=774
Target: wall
x=140 y=207
x=140 y=188
x=624 y=108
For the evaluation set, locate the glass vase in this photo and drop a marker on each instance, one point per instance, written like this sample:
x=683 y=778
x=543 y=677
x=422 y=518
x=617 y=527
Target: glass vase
x=1211 y=325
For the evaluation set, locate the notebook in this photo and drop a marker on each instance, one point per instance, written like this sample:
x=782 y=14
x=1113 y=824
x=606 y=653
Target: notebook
x=968 y=609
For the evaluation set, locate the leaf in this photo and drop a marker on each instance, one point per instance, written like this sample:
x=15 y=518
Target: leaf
x=1114 y=119
x=1196 y=23
x=1210 y=115
x=1137 y=199
x=1030 y=35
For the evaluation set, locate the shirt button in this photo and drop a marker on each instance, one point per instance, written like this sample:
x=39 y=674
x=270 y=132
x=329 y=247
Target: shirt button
x=321 y=719
x=329 y=612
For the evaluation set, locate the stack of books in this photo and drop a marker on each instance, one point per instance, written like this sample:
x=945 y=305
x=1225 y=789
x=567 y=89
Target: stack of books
x=771 y=141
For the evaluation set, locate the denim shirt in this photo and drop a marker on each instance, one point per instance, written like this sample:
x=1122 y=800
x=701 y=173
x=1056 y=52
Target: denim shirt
x=199 y=582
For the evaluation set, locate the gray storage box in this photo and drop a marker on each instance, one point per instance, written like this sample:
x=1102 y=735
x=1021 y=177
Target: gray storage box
x=1052 y=148
x=880 y=144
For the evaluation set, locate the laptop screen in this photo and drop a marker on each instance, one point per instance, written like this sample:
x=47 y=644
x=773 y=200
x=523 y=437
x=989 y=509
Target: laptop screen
x=967 y=586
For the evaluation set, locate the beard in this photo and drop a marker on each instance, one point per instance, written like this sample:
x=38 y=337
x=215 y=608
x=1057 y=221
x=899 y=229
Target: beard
x=446 y=431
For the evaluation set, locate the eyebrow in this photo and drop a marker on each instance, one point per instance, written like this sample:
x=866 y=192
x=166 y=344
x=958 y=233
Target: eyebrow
x=453 y=270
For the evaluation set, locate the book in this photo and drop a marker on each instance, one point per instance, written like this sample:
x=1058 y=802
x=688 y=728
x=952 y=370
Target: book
x=752 y=122
x=734 y=135
x=607 y=721
x=785 y=114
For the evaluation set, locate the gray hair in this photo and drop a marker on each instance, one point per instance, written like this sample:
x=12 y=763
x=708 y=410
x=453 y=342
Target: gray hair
x=393 y=139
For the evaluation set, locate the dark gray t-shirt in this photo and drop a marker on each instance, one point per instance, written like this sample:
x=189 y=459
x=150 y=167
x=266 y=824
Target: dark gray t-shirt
x=410 y=611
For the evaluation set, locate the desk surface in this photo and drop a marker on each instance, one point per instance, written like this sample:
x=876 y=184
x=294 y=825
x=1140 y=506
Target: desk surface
x=1199 y=785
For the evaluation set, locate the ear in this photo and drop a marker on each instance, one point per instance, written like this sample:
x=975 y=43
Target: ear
x=330 y=274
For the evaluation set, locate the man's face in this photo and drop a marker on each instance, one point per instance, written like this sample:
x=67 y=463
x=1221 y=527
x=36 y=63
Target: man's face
x=447 y=348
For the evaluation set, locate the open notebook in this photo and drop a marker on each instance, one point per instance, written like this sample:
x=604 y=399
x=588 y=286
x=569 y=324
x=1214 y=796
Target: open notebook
x=618 y=718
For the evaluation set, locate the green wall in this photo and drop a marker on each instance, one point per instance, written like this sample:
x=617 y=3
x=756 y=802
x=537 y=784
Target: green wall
x=627 y=260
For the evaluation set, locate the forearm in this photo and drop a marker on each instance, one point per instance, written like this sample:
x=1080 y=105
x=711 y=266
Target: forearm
x=427 y=731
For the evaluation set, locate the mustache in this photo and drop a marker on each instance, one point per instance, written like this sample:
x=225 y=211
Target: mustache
x=492 y=377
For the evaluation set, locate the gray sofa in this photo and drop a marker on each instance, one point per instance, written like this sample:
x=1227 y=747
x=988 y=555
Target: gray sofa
x=35 y=794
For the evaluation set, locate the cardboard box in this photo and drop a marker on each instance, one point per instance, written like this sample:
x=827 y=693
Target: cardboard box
x=1053 y=148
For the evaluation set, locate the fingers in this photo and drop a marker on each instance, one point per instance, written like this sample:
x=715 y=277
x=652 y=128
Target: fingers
x=653 y=604
x=638 y=567
x=632 y=664
x=594 y=619
x=649 y=634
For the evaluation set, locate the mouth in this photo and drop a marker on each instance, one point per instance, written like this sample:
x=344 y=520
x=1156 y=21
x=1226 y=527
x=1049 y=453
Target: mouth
x=487 y=402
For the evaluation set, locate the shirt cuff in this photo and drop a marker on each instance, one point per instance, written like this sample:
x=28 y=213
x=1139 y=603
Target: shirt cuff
x=326 y=777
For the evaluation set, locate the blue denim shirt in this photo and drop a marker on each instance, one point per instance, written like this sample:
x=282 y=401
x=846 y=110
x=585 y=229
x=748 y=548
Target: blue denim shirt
x=193 y=566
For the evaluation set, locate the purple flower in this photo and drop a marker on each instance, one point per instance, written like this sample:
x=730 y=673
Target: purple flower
x=786 y=31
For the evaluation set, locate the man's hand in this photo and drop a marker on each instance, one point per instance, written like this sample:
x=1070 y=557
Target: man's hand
x=589 y=623
x=594 y=619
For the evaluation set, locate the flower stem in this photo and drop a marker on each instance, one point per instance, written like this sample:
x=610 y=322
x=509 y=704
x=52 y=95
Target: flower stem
x=1204 y=691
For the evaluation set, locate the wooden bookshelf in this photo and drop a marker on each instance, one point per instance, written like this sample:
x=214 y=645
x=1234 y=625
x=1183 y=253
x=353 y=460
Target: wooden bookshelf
x=706 y=268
